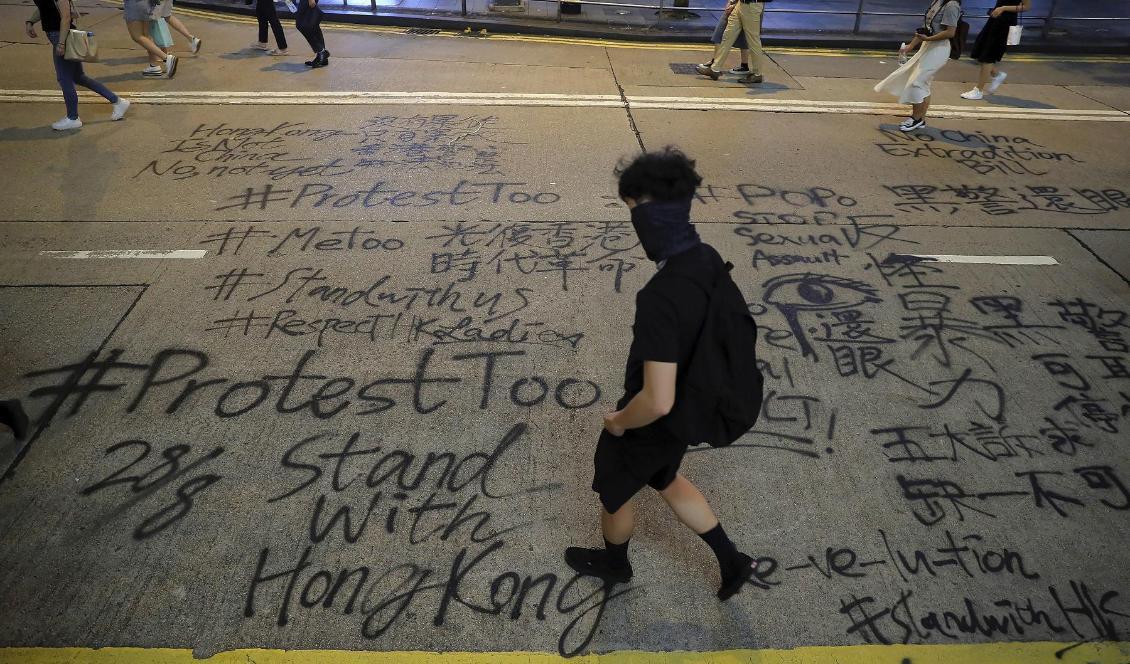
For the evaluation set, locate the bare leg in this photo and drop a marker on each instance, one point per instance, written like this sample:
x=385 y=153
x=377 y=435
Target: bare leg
x=688 y=503
x=139 y=33
x=745 y=56
x=921 y=109
x=176 y=24
x=987 y=70
x=618 y=527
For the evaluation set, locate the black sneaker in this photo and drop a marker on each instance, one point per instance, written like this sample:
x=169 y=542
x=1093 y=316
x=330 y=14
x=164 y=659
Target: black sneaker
x=733 y=581
x=910 y=124
x=740 y=69
x=13 y=416
x=594 y=562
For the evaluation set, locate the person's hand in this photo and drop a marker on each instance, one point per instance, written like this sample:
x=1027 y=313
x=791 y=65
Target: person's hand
x=29 y=30
x=996 y=13
x=610 y=425
x=312 y=3
x=61 y=49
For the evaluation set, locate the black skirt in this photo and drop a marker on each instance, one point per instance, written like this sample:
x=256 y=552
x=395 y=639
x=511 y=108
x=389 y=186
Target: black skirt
x=992 y=43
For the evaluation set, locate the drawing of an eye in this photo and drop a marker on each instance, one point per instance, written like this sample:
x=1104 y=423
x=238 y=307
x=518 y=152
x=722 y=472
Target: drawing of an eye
x=817 y=291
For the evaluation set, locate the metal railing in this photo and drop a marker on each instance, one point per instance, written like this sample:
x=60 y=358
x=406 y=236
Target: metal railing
x=1044 y=21
x=860 y=12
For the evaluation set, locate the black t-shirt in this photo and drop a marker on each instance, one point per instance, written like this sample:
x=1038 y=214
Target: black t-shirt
x=1007 y=18
x=669 y=314
x=49 y=15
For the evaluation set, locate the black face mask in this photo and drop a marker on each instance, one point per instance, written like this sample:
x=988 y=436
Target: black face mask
x=664 y=228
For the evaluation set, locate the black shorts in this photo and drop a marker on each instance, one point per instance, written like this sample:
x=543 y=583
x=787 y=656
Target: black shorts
x=646 y=456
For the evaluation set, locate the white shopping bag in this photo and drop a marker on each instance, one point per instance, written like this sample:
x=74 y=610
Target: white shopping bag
x=1014 y=33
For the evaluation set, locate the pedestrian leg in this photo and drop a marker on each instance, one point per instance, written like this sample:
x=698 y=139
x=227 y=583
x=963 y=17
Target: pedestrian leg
x=733 y=28
x=91 y=84
x=692 y=508
x=65 y=72
x=139 y=33
x=919 y=110
x=988 y=70
x=752 y=13
x=178 y=25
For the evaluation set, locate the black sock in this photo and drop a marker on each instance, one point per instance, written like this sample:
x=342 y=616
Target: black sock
x=722 y=546
x=617 y=553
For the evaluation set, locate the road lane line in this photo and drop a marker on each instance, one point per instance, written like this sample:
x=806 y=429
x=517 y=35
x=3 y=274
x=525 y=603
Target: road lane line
x=501 y=99
x=127 y=253
x=978 y=260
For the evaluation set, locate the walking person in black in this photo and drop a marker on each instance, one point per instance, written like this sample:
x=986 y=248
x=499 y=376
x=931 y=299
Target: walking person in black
x=635 y=449
x=268 y=16
x=991 y=44
x=309 y=23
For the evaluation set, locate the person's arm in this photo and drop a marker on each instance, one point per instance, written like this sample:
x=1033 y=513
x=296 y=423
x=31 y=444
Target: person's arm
x=1021 y=6
x=64 y=25
x=29 y=26
x=948 y=33
x=655 y=400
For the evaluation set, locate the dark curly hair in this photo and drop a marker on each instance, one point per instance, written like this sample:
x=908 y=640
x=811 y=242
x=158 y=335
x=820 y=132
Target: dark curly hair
x=666 y=175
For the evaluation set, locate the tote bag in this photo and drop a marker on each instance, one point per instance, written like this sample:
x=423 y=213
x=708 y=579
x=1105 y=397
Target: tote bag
x=81 y=46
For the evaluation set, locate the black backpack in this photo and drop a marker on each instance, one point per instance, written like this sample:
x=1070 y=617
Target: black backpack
x=719 y=392
x=960 y=36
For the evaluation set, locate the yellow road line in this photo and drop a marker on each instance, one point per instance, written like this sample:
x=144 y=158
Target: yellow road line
x=633 y=45
x=982 y=653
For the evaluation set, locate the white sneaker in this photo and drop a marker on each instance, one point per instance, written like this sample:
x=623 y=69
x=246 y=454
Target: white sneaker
x=120 y=108
x=170 y=66
x=152 y=70
x=278 y=51
x=195 y=45
x=973 y=94
x=261 y=46
x=995 y=82
x=67 y=123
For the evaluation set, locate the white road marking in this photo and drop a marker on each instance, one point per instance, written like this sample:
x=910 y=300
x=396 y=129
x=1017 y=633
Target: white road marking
x=390 y=98
x=983 y=260
x=128 y=253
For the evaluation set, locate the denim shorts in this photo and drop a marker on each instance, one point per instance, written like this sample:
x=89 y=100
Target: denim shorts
x=139 y=10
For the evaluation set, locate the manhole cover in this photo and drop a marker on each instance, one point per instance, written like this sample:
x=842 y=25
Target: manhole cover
x=422 y=31
x=683 y=68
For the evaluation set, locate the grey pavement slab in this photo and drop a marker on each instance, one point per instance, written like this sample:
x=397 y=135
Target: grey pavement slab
x=1116 y=97
x=1113 y=247
x=249 y=71
x=397 y=162
x=823 y=471
x=949 y=174
x=675 y=69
